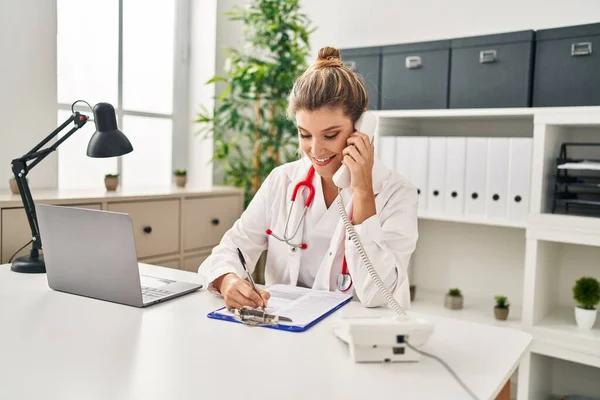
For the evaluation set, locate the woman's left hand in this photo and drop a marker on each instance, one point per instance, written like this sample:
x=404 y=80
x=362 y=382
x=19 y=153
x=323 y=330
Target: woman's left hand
x=359 y=157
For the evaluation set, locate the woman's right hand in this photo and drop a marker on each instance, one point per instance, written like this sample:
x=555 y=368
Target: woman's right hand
x=238 y=292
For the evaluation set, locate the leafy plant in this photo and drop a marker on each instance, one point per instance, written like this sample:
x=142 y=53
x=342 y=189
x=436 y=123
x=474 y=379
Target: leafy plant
x=586 y=292
x=180 y=172
x=251 y=131
x=454 y=292
x=111 y=175
x=502 y=302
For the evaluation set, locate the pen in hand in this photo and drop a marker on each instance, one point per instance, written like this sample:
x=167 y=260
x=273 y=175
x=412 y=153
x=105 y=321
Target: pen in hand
x=248 y=273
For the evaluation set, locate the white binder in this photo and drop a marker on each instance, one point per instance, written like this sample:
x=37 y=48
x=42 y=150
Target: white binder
x=476 y=176
x=387 y=151
x=418 y=161
x=519 y=179
x=497 y=178
x=437 y=175
x=455 y=176
x=402 y=165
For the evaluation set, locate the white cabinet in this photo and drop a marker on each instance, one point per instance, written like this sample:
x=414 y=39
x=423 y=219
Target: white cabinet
x=514 y=244
x=171 y=226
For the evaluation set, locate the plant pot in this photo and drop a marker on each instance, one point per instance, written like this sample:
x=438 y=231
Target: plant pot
x=413 y=291
x=501 y=313
x=180 y=180
x=453 y=302
x=111 y=184
x=585 y=318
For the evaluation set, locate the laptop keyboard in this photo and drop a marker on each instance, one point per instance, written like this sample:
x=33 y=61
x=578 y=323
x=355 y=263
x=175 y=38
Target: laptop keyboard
x=150 y=293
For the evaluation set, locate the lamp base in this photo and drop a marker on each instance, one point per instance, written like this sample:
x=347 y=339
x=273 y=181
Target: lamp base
x=29 y=265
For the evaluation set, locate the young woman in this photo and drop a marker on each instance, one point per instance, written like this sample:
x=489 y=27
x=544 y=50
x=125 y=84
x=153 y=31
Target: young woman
x=326 y=101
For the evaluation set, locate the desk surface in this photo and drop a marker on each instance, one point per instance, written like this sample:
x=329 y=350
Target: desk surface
x=60 y=346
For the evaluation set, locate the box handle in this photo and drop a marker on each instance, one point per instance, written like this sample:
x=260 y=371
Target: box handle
x=413 y=62
x=351 y=65
x=581 y=49
x=488 y=56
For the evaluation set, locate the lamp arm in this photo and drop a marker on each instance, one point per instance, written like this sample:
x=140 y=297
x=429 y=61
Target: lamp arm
x=20 y=170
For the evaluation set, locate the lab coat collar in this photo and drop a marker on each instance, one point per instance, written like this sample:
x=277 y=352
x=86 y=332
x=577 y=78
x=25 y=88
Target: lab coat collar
x=381 y=174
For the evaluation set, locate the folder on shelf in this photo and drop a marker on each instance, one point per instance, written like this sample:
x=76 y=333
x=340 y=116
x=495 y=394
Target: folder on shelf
x=305 y=307
x=402 y=165
x=387 y=151
x=519 y=178
x=437 y=175
x=455 y=176
x=497 y=178
x=476 y=176
x=418 y=161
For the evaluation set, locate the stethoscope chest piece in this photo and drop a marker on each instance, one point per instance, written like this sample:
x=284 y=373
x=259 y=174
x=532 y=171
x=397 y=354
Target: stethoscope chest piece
x=344 y=282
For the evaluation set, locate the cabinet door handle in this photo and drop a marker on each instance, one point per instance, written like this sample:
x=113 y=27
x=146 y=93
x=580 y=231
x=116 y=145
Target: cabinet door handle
x=474 y=196
x=215 y=221
x=581 y=49
x=148 y=229
x=488 y=56
x=413 y=62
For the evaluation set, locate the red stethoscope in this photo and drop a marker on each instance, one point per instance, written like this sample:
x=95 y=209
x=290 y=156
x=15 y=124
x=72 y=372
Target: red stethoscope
x=344 y=282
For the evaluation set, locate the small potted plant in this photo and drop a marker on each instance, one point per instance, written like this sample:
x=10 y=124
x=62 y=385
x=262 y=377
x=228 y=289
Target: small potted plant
x=454 y=299
x=111 y=181
x=501 y=308
x=180 y=177
x=586 y=292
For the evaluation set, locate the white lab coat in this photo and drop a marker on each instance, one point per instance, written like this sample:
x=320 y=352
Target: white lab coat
x=389 y=237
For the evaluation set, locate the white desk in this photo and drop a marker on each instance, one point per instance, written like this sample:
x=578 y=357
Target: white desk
x=60 y=346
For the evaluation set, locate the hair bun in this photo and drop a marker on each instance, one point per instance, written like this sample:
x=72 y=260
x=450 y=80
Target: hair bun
x=328 y=57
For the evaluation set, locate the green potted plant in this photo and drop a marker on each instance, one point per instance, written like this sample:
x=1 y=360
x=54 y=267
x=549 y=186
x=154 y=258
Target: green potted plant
x=111 y=181
x=251 y=131
x=501 y=308
x=454 y=299
x=586 y=292
x=180 y=177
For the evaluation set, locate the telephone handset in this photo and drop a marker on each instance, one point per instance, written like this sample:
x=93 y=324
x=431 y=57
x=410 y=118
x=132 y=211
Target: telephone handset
x=367 y=123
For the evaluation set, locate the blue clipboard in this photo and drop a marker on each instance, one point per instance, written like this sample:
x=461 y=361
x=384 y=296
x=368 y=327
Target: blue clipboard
x=280 y=327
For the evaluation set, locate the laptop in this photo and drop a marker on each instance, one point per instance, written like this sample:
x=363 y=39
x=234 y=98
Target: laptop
x=92 y=253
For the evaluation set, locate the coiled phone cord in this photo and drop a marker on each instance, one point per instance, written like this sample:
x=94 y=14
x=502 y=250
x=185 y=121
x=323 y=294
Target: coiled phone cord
x=383 y=290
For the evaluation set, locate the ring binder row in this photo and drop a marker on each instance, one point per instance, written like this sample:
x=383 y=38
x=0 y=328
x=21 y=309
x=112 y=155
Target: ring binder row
x=577 y=183
x=484 y=178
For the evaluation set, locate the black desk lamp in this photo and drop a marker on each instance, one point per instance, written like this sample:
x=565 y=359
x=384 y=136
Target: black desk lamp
x=107 y=141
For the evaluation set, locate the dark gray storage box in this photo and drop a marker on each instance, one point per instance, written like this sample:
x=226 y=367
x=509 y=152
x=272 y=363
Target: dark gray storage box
x=415 y=75
x=366 y=62
x=567 y=66
x=492 y=70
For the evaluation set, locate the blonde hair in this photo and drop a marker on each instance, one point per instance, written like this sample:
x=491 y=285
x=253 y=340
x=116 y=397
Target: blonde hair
x=329 y=83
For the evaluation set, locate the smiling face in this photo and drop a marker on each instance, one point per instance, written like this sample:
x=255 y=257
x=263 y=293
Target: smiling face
x=322 y=135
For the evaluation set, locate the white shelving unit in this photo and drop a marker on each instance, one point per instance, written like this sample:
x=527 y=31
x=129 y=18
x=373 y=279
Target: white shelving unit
x=534 y=262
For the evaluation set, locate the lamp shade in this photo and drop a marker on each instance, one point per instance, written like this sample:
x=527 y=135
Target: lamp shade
x=108 y=140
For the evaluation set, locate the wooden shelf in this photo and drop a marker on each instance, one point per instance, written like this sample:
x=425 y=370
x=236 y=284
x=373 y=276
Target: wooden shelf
x=558 y=336
x=565 y=229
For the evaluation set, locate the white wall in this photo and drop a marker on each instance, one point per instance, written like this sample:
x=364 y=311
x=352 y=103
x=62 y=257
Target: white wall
x=356 y=23
x=27 y=85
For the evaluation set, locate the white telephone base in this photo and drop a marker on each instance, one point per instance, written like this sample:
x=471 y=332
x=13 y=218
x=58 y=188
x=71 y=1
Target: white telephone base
x=383 y=339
